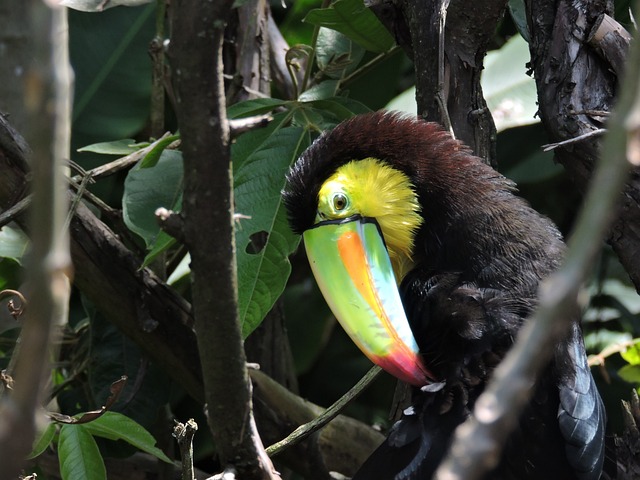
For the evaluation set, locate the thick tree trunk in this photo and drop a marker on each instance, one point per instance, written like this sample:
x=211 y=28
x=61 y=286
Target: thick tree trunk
x=575 y=85
x=448 y=62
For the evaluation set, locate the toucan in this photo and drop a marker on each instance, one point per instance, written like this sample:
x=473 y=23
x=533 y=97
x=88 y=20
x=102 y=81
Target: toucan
x=432 y=264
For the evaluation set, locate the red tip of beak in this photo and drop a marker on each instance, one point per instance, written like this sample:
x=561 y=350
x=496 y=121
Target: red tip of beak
x=406 y=366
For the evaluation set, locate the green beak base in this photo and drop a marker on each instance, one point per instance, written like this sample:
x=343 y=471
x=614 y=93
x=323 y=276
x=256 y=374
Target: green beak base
x=352 y=268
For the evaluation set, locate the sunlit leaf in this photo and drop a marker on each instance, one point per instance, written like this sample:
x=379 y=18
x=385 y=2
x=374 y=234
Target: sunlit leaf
x=404 y=102
x=632 y=354
x=13 y=243
x=100 y=5
x=510 y=93
x=630 y=373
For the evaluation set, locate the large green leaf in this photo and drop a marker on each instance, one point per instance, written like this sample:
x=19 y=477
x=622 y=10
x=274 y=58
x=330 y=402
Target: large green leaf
x=112 y=355
x=336 y=54
x=79 y=455
x=264 y=241
x=109 y=55
x=13 y=243
x=357 y=22
x=115 y=426
x=147 y=189
x=632 y=353
x=510 y=93
x=123 y=146
x=249 y=142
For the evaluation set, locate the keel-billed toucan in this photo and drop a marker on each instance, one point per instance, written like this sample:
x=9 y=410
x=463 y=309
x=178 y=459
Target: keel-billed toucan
x=432 y=264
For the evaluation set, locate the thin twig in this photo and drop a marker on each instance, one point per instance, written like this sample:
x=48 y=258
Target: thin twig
x=599 y=358
x=10 y=214
x=375 y=61
x=47 y=284
x=312 y=54
x=303 y=431
x=440 y=96
x=13 y=212
x=121 y=163
x=551 y=146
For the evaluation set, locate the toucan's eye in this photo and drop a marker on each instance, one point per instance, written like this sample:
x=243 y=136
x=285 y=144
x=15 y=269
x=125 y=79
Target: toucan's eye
x=340 y=202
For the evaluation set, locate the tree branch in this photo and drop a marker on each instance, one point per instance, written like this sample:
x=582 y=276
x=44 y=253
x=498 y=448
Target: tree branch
x=196 y=57
x=448 y=76
x=479 y=440
x=47 y=286
x=572 y=77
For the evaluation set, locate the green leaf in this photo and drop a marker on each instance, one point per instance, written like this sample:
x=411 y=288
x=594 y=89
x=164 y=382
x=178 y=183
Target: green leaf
x=115 y=426
x=336 y=54
x=357 y=22
x=43 y=440
x=147 y=189
x=264 y=241
x=404 y=102
x=630 y=373
x=321 y=91
x=109 y=55
x=79 y=455
x=632 y=354
x=114 y=355
x=163 y=242
x=510 y=93
x=256 y=106
x=11 y=275
x=13 y=243
x=341 y=108
x=125 y=146
x=151 y=158
x=518 y=13
x=250 y=141
x=181 y=271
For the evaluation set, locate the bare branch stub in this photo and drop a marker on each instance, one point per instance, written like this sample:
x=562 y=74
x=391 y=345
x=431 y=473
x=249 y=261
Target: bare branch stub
x=184 y=433
x=241 y=125
x=171 y=222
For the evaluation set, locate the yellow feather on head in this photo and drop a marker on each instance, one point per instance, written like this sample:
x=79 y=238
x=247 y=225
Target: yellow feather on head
x=372 y=188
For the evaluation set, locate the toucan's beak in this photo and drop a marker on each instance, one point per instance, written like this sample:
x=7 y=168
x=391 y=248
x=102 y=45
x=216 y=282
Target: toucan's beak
x=350 y=262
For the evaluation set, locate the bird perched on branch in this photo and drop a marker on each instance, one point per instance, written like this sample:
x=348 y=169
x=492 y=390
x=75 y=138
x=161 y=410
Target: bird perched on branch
x=432 y=264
